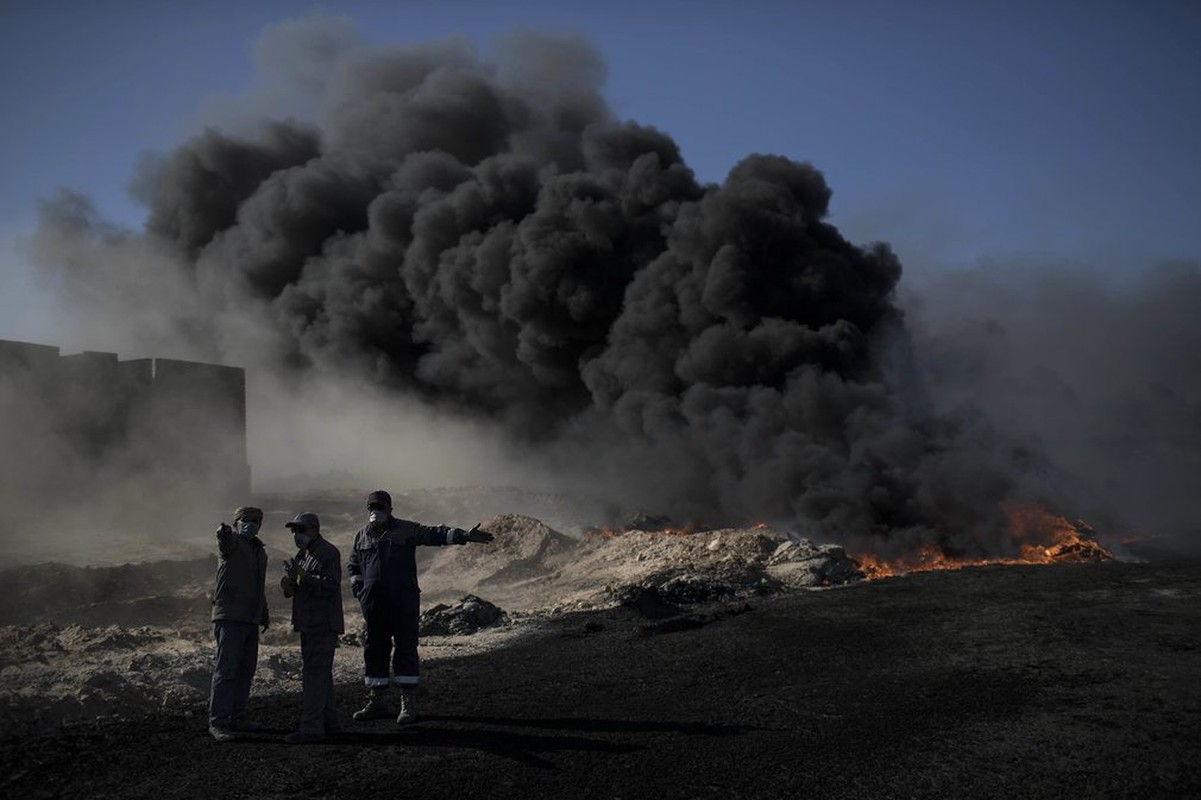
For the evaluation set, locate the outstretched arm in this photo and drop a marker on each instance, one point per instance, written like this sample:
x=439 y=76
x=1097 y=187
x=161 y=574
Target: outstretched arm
x=438 y=535
x=444 y=534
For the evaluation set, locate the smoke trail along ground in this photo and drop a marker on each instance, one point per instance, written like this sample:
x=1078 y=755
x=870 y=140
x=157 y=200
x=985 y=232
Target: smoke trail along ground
x=485 y=234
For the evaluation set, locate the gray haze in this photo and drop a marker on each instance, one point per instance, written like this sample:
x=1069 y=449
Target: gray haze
x=484 y=238
x=1097 y=379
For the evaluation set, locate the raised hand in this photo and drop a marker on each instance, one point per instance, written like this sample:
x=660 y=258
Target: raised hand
x=476 y=535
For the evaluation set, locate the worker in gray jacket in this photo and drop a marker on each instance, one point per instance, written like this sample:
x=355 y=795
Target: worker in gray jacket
x=383 y=577
x=239 y=609
x=313 y=579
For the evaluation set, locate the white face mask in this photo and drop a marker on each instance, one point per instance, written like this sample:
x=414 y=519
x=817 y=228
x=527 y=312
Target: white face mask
x=248 y=527
x=378 y=517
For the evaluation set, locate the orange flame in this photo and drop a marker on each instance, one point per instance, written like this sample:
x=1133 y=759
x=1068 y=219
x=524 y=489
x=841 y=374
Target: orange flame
x=1041 y=538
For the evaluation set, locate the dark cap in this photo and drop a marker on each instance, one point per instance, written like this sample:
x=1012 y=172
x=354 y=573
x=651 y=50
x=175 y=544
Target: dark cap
x=306 y=519
x=380 y=496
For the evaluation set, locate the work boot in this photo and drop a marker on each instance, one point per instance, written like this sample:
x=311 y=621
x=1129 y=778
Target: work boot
x=376 y=708
x=408 y=707
x=222 y=734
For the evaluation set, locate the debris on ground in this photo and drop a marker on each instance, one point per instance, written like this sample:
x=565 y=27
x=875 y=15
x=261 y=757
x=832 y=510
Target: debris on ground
x=469 y=615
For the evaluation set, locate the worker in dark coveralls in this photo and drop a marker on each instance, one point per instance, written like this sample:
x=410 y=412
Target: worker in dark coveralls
x=239 y=610
x=383 y=577
x=313 y=579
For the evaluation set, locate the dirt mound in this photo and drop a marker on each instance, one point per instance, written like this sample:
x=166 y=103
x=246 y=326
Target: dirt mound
x=711 y=565
x=531 y=566
x=524 y=555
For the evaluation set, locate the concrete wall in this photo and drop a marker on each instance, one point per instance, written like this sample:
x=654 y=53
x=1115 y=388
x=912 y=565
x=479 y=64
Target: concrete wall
x=104 y=431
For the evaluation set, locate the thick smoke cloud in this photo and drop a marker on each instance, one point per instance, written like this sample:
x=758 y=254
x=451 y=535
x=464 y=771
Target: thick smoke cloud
x=485 y=235
x=1094 y=378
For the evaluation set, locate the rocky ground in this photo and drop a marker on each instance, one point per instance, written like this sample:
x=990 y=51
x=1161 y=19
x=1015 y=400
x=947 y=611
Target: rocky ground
x=732 y=663
x=77 y=643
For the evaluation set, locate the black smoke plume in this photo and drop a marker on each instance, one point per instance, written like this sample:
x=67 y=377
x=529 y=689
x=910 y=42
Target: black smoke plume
x=1097 y=376
x=484 y=233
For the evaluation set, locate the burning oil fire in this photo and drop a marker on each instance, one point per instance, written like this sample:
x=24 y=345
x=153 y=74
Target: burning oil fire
x=1041 y=537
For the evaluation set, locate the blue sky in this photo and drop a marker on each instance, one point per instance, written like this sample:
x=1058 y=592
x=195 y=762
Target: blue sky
x=957 y=131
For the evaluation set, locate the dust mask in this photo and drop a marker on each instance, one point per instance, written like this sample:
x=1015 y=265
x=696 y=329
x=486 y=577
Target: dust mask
x=248 y=527
x=378 y=516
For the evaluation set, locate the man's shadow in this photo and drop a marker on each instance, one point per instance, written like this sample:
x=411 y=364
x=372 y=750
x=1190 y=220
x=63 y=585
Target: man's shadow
x=497 y=735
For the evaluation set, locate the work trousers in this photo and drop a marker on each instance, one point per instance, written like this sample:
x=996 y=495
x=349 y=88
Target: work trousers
x=318 y=713
x=392 y=632
x=233 y=671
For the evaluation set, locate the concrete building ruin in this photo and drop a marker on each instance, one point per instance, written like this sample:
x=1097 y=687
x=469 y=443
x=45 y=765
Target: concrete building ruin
x=90 y=429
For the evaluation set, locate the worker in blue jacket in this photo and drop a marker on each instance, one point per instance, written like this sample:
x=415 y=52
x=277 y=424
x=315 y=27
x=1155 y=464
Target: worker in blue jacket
x=383 y=577
x=313 y=580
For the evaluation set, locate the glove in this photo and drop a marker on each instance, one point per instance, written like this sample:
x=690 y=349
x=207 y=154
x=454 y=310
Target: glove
x=264 y=628
x=225 y=540
x=288 y=584
x=356 y=588
x=476 y=535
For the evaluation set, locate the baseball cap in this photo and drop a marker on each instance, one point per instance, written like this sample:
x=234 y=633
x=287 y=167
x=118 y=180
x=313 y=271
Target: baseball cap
x=380 y=496
x=305 y=519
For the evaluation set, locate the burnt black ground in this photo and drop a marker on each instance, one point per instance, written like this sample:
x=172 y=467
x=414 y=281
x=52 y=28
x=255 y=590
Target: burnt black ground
x=1016 y=682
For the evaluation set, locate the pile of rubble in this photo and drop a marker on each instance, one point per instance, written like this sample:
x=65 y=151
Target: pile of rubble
x=470 y=615
x=532 y=566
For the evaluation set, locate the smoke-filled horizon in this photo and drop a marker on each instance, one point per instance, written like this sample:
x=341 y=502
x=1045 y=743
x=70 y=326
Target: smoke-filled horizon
x=486 y=237
x=1095 y=379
